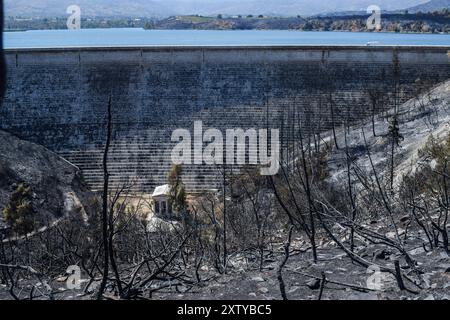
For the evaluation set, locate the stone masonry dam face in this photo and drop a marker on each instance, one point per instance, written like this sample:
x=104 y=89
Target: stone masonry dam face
x=59 y=97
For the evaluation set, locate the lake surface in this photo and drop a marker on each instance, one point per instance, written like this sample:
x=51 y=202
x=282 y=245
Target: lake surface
x=141 y=37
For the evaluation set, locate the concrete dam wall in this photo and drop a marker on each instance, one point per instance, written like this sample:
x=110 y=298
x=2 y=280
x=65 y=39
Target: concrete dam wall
x=59 y=97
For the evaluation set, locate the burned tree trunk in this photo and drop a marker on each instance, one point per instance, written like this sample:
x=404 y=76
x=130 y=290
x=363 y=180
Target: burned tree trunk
x=105 y=205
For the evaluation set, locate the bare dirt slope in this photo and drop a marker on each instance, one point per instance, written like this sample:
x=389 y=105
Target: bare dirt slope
x=418 y=119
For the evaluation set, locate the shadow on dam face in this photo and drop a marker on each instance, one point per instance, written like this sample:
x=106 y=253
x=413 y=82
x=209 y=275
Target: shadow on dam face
x=58 y=98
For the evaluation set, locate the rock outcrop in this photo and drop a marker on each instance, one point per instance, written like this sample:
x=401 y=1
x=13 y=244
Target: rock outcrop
x=56 y=185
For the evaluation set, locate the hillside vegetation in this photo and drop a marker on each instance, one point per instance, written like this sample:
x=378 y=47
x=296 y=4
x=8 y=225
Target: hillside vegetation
x=437 y=22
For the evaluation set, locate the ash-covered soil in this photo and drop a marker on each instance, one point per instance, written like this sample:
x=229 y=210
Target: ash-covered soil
x=345 y=280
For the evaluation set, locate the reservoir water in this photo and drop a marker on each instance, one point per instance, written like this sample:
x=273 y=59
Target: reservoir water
x=123 y=37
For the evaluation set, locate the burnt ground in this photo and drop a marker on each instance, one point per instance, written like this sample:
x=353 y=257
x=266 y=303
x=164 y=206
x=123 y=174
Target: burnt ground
x=337 y=267
x=350 y=279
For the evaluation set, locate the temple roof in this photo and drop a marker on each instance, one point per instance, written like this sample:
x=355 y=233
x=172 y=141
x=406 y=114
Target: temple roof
x=161 y=191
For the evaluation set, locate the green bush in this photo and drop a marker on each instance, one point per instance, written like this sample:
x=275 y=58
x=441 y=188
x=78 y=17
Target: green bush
x=19 y=212
x=438 y=151
x=177 y=195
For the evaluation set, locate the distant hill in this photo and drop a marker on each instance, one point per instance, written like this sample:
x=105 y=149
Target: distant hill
x=92 y=8
x=165 y=8
x=238 y=23
x=433 y=5
x=392 y=22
